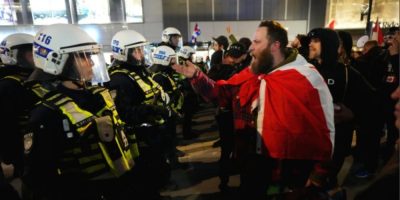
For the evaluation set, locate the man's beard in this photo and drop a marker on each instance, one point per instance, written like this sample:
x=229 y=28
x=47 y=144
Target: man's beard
x=264 y=63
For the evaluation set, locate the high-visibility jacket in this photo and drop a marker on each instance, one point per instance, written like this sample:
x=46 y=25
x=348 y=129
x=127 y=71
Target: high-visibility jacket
x=97 y=141
x=176 y=96
x=151 y=91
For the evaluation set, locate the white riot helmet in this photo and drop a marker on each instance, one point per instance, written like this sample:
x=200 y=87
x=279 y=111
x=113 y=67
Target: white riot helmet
x=167 y=35
x=13 y=47
x=186 y=52
x=67 y=51
x=164 y=55
x=125 y=40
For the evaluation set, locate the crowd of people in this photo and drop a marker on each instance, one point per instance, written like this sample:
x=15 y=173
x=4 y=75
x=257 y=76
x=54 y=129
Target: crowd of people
x=76 y=128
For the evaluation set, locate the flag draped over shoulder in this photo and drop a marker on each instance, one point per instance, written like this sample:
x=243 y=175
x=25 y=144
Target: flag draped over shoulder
x=295 y=117
x=196 y=33
x=377 y=33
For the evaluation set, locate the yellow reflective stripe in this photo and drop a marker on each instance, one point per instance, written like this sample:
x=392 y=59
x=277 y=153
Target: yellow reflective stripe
x=17 y=78
x=107 y=98
x=172 y=83
x=39 y=90
x=91 y=158
x=53 y=97
x=75 y=115
x=123 y=157
x=94 y=168
x=147 y=89
x=120 y=71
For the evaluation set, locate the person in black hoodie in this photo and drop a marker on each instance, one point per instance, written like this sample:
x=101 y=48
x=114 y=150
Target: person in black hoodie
x=347 y=89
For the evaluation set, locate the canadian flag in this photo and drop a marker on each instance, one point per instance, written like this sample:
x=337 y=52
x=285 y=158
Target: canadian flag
x=377 y=33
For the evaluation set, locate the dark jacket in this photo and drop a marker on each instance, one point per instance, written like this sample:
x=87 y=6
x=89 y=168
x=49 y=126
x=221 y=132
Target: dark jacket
x=221 y=72
x=216 y=58
x=15 y=103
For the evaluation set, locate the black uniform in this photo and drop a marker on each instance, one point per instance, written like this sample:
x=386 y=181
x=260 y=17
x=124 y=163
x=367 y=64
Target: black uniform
x=143 y=117
x=79 y=148
x=14 y=106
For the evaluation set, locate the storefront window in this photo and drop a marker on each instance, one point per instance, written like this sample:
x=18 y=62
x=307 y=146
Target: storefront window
x=347 y=14
x=7 y=12
x=134 y=10
x=93 y=12
x=48 y=12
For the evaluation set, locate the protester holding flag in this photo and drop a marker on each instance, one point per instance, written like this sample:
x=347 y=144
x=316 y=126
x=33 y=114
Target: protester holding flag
x=283 y=114
x=196 y=33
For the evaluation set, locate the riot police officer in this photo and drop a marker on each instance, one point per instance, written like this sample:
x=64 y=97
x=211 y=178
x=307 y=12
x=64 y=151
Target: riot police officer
x=163 y=57
x=140 y=101
x=16 y=54
x=80 y=146
x=171 y=37
x=190 y=103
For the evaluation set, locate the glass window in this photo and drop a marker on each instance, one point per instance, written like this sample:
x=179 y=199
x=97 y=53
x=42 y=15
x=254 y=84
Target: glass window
x=8 y=15
x=48 y=12
x=348 y=14
x=134 y=10
x=93 y=12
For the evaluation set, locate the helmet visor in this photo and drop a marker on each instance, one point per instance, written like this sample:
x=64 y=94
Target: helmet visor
x=90 y=66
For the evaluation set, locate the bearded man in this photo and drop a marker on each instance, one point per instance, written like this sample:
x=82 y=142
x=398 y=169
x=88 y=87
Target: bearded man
x=283 y=115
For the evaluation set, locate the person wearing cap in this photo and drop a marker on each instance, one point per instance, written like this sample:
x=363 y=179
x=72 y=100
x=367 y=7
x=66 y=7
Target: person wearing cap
x=282 y=112
x=233 y=56
x=220 y=45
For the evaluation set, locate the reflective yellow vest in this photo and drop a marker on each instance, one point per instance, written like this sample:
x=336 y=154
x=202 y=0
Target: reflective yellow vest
x=93 y=154
x=175 y=95
x=150 y=91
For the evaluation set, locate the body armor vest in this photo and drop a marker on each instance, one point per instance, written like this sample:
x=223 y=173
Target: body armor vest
x=96 y=142
x=151 y=91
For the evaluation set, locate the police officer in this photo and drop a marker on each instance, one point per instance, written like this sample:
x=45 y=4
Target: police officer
x=80 y=146
x=163 y=57
x=140 y=101
x=171 y=37
x=16 y=54
x=190 y=103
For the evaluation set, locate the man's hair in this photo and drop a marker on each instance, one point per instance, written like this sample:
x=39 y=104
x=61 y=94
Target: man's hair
x=275 y=32
x=371 y=43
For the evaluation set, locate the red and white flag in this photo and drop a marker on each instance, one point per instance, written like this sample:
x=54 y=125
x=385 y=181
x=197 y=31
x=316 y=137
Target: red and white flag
x=295 y=116
x=377 y=33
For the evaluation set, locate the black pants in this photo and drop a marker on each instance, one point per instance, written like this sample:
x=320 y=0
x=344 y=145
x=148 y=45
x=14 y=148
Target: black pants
x=343 y=140
x=226 y=132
